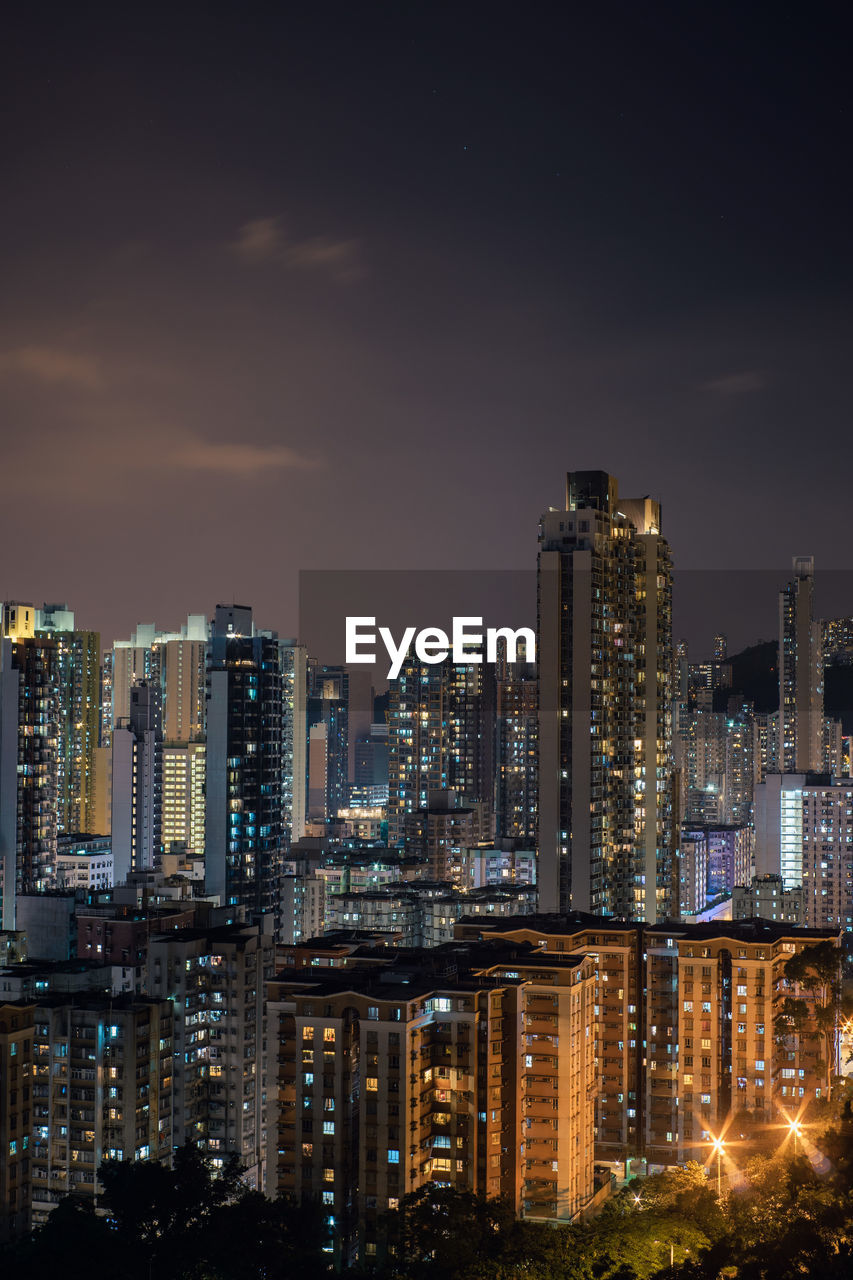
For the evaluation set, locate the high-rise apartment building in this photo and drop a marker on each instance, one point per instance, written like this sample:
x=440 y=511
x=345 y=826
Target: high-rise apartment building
x=173 y=664
x=685 y=1030
x=724 y=855
x=243 y=813
x=16 y=1064
x=214 y=979
x=779 y=827
x=517 y=750
x=329 y=750
x=441 y=734
x=106 y=728
x=484 y=1084
x=78 y=687
x=294 y=733
x=173 y=661
x=29 y=745
x=103 y=1070
x=137 y=784
x=832 y=747
x=765 y=746
x=182 y=682
x=443 y=832
x=838 y=641
x=605 y=704
x=800 y=673
x=371 y=764
x=183 y=797
x=701 y=754
x=828 y=853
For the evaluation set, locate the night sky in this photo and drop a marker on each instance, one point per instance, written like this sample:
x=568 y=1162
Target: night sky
x=351 y=286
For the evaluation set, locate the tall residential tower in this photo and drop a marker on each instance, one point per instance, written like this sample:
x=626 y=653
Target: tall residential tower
x=605 y=704
x=244 y=819
x=800 y=673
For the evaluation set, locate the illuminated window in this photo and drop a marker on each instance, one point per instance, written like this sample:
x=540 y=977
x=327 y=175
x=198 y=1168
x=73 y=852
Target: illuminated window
x=307 y=1033
x=372 y=1084
x=329 y=1035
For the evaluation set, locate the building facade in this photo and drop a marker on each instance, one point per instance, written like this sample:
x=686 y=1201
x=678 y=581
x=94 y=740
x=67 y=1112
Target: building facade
x=78 y=681
x=441 y=735
x=184 y=773
x=244 y=827
x=137 y=784
x=16 y=1065
x=605 y=704
x=102 y=1089
x=684 y=1026
x=517 y=750
x=29 y=749
x=385 y=1079
x=214 y=980
x=800 y=673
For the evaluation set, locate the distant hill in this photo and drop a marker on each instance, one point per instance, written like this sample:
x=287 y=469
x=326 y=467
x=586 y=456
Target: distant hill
x=755 y=675
x=838 y=695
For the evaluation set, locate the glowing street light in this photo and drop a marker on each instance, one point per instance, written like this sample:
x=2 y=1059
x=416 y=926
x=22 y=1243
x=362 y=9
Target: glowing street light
x=796 y=1129
x=718 y=1146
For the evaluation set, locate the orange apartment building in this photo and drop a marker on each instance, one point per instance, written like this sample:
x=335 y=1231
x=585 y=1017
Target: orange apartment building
x=684 y=1030
x=16 y=1064
x=469 y=1065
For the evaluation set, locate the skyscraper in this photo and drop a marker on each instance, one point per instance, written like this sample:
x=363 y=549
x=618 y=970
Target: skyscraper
x=800 y=673
x=78 y=685
x=461 y=1084
x=516 y=761
x=441 y=734
x=174 y=661
x=243 y=813
x=328 y=720
x=137 y=785
x=605 y=704
x=28 y=758
x=183 y=797
x=294 y=736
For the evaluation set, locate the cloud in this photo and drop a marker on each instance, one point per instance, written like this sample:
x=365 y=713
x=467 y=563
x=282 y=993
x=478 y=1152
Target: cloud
x=52 y=365
x=736 y=384
x=264 y=240
x=241 y=459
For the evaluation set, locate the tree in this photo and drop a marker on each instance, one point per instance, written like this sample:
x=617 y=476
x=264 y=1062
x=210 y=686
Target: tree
x=190 y=1222
x=818 y=969
x=439 y=1233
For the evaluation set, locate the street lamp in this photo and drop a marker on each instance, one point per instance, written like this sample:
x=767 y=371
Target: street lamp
x=718 y=1146
x=796 y=1129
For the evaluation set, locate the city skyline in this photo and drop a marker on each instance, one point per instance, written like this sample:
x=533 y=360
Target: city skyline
x=226 y=305
x=419 y=858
